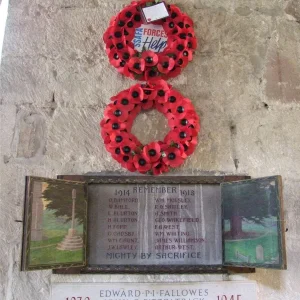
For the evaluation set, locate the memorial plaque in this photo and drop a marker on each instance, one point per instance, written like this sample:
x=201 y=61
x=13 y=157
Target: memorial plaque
x=152 y=224
x=156 y=291
x=144 y=224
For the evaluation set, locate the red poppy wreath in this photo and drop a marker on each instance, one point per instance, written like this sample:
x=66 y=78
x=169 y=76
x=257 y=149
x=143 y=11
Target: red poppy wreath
x=157 y=157
x=142 y=52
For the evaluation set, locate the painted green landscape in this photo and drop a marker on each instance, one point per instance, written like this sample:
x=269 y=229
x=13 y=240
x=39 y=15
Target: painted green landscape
x=251 y=226
x=57 y=217
x=245 y=250
x=54 y=232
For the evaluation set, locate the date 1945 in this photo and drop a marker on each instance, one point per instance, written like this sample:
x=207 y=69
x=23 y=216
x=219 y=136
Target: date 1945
x=230 y=297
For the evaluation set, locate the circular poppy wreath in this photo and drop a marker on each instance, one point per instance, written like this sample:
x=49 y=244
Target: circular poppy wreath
x=148 y=64
x=157 y=157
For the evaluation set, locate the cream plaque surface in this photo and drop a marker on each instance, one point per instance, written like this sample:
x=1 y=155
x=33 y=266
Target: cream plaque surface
x=175 y=224
x=155 y=291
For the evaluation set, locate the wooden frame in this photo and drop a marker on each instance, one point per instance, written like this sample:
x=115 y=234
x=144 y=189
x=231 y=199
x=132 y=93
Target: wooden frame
x=153 y=269
x=273 y=208
x=25 y=258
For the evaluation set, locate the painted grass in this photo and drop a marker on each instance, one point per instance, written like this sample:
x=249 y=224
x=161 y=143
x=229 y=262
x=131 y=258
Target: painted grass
x=51 y=223
x=247 y=247
x=54 y=240
x=54 y=230
x=50 y=255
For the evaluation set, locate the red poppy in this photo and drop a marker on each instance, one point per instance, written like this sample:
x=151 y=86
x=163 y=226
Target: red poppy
x=106 y=139
x=112 y=21
x=160 y=107
x=159 y=168
x=192 y=43
x=189 y=120
x=134 y=139
x=169 y=52
x=187 y=52
x=165 y=64
x=185 y=33
x=120 y=44
x=123 y=69
x=128 y=12
x=174 y=73
x=128 y=53
x=181 y=149
x=175 y=12
x=169 y=26
x=139 y=3
x=136 y=94
x=132 y=116
x=172 y=157
x=123 y=139
x=149 y=92
x=118 y=138
x=174 y=98
x=135 y=21
x=120 y=21
x=123 y=101
x=114 y=58
x=179 y=110
x=127 y=163
x=180 y=136
x=147 y=104
x=105 y=135
x=136 y=65
x=189 y=148
x=152 y=74
x=183 y=21
x=151 y=152
x=189 y=44
x=162 y=89
x=128 y=147
x=108 y=34
x=109 y=125
x=109 y=46
x=188 y=22
x=141 y=164
x=116 y=154
x=181 y=47
x=118 y=36
x=116 y=113
x=129 y=36
x=150 y=57
x=182 y=61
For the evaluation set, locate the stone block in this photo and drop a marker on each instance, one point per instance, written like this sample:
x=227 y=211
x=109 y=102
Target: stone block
x=266 y=141
x=25 y=35
x=293 y=9
x=282 y=72
x=31 y=135
x=26 y=80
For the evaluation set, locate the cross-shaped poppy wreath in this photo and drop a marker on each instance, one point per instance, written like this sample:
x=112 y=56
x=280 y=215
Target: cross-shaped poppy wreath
x=157 y=157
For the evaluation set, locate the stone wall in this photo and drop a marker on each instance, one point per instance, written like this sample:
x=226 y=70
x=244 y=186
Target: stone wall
x=56 y=80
